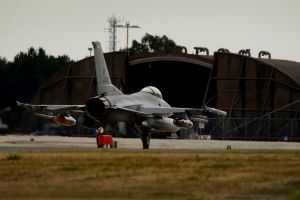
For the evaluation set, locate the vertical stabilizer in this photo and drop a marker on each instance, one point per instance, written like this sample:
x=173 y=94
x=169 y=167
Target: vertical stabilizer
x=104 y=85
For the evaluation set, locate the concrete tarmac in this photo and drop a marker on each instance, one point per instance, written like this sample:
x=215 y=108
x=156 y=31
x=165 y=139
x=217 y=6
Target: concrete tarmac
x=53 y=143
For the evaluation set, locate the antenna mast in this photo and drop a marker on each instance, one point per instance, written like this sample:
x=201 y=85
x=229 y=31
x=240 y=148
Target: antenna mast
x=128 y=26
x=113 y=25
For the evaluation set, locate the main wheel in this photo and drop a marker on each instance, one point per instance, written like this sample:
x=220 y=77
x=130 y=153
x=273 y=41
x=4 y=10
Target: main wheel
x=146 y=140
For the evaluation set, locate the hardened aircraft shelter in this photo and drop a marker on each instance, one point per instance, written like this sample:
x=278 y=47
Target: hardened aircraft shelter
x=260 y=95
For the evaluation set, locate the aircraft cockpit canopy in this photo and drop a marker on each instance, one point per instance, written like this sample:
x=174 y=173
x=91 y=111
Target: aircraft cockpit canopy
x=152 y=90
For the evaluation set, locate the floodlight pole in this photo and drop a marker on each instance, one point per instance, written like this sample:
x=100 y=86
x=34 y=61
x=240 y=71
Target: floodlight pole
x=128 y=26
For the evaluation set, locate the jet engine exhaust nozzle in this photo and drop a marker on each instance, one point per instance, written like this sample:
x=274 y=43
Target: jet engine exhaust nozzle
x=95 y=108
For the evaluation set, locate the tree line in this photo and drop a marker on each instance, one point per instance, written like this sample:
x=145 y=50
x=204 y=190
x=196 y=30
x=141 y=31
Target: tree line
x=154 y=43
x=20 y=79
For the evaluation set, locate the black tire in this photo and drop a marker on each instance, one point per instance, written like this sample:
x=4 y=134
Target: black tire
x=146 y=140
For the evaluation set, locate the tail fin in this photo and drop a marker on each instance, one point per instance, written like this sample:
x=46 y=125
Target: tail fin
x=104 y=85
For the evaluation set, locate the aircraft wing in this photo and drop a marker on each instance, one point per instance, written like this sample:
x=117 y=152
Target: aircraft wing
x=52 y=108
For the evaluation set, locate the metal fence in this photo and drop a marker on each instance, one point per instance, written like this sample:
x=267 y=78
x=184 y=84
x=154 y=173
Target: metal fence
x=264 y=129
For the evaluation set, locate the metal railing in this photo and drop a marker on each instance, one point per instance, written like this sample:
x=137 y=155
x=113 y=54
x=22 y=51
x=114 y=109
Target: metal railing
x=264 y=129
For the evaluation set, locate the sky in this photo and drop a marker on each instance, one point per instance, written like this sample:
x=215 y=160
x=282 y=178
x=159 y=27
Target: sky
x=69 y=26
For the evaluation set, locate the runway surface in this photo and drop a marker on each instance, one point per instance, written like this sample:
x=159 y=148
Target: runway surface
x=46 y=143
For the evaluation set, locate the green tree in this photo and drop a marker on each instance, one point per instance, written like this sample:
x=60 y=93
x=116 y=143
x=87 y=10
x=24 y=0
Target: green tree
x=21 y=78
x=150 y=43
x=3 y=62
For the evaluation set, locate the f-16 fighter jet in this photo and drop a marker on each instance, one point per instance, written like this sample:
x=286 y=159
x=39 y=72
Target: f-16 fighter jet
x=143 y=112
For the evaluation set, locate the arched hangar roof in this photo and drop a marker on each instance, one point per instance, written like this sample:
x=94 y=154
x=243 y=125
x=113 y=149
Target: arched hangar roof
x=205 y=61
x=289 y=68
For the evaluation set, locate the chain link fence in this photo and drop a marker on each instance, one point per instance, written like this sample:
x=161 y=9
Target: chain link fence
x=264 y=129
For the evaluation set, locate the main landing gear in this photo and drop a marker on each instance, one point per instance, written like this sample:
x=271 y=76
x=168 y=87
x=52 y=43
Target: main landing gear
x=144 y=134
x=145 y=140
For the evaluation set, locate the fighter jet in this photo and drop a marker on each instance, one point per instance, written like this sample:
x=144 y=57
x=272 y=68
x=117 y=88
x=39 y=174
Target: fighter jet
x=143 y=112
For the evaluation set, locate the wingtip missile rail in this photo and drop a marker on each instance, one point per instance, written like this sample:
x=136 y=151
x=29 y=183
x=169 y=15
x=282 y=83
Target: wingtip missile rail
x=215 y=111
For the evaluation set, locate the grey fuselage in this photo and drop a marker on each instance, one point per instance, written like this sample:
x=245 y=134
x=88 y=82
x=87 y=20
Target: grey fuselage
x=130 y=108
x=136 y=100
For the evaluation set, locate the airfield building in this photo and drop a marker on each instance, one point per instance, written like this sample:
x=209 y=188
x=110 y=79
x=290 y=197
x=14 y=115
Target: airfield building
x=261 y=96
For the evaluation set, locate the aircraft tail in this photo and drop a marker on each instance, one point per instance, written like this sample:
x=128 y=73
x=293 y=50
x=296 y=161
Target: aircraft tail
x=104 y=85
